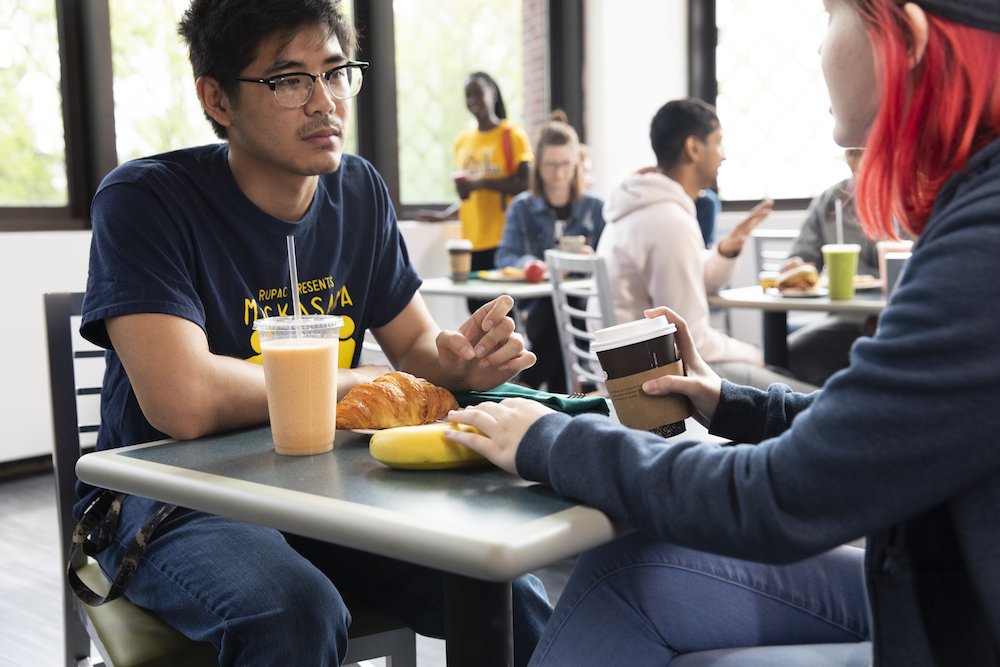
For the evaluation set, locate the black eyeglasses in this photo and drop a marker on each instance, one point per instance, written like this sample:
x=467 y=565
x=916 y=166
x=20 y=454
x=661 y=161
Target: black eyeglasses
x=295 y=89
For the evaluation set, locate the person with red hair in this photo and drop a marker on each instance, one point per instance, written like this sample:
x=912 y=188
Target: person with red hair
x=740 y=545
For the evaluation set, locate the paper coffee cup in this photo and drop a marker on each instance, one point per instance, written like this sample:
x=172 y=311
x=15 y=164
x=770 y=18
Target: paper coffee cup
x=300 y=377
x=895 y=262
x=572 y=242
x=631 y=354
x=883 y=248
x=459 y=259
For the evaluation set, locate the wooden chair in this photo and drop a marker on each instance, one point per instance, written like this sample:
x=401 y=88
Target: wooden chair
x=574 y=319
x=124 y=634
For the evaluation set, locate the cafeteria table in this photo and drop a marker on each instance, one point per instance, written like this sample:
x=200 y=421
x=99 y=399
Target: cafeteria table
x=481 y=527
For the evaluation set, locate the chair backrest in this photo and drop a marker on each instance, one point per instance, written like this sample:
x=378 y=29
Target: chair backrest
x=66 y=350
x=580 y=309
x=772 y=247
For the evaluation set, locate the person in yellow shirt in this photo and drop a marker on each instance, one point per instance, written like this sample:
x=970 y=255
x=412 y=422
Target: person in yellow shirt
x=493 y=160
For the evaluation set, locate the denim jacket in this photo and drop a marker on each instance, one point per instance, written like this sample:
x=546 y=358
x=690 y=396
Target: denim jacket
x=530 y=228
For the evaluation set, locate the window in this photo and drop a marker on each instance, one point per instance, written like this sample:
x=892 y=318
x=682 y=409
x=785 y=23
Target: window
x=772 y=101
x=438 y=44
x=156 y=107
x=91 y=84
x=33 y=169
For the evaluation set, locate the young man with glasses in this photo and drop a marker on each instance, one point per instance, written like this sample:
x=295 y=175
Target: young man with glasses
x=188 y=250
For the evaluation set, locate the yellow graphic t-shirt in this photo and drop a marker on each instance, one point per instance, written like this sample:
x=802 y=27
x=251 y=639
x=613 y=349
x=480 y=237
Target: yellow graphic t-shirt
x=482 y=155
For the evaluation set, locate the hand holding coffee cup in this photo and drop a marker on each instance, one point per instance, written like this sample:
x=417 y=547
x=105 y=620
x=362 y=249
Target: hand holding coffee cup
x=461 y=179
x=631 y=354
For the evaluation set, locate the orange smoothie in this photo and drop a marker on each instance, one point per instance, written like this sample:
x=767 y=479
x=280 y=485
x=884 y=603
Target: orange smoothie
x=301 y=379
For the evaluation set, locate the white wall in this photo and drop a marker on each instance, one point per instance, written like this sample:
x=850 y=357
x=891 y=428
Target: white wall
x=31 y=264
x=627 y=77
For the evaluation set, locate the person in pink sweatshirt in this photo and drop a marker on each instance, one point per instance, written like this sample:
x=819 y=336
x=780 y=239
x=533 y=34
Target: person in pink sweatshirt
x=653 y=246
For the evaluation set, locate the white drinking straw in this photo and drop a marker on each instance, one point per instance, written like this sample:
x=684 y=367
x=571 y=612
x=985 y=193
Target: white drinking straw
x=293 y=274
x=839 y=211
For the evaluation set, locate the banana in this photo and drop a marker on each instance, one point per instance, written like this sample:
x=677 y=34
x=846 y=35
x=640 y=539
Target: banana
x=422 y=447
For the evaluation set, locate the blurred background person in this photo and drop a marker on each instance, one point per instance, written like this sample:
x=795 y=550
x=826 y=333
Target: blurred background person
x=492 y=161
x=654 y=249
x=819 y=349
x=556 y=207
x=708 y=208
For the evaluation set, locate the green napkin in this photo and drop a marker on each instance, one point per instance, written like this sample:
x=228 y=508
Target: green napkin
x=560 y=402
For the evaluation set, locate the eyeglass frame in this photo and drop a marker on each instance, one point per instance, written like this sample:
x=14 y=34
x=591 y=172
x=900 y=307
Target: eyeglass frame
x=272 y=82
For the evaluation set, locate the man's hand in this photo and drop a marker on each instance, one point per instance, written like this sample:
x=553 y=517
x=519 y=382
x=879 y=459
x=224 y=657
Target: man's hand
x=502 y=426
x=485 y=351
x=699 y=383
x=731 y=245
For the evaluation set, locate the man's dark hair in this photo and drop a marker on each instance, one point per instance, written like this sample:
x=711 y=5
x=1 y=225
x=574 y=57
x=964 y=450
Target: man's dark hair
x=674 y=123
x=223 y=35
x=498 y=108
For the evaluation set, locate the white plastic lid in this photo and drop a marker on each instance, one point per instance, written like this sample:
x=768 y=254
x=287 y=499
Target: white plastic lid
x=307 y=324
x=629 y=333
x=458 y=244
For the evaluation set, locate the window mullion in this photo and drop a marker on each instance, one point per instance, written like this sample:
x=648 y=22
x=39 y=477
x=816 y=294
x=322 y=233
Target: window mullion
x=378 y=139
x=88 y=100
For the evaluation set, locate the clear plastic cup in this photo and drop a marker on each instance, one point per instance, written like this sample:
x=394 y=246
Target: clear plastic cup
x=841 y=260
x=300 y=376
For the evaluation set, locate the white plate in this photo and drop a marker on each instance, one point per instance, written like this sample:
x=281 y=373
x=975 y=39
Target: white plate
x=373 y=431
x=866 y=282
x=800 y=293
x=497 y=276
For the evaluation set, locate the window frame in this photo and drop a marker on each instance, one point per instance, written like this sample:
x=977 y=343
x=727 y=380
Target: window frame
x=703 y=40
x=86 y=85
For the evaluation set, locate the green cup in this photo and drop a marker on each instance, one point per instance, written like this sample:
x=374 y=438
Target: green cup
x=841 y=260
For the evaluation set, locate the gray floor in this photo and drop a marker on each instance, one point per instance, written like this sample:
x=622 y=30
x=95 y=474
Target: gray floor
x=30 y=578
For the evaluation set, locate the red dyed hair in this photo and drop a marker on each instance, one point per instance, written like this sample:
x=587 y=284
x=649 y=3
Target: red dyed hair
x=931 y=119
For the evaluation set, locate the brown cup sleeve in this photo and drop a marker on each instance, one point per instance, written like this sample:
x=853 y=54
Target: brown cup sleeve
x=637 y=409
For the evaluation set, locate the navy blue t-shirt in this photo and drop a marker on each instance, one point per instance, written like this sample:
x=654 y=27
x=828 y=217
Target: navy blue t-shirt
x=174 y=234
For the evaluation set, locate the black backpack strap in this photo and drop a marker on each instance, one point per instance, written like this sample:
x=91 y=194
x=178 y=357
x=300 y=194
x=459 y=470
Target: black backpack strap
x=102 y=517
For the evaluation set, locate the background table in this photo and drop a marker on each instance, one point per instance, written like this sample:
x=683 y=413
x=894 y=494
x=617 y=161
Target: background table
x=775 y=312
x=481 y=526
x=490 y=289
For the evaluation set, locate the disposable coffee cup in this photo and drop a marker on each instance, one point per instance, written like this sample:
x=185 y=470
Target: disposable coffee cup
x=571 y=243
x=459 y=259
x=631 y=354
x=841 y=260
x=895 y=262
x=883 y=249
x=300 y=378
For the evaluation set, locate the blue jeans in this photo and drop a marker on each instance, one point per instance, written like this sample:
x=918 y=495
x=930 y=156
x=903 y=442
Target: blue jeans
x=637 y=601
x=262 y=597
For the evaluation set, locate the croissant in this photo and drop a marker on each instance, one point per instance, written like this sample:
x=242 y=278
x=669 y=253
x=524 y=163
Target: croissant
x=393 y=399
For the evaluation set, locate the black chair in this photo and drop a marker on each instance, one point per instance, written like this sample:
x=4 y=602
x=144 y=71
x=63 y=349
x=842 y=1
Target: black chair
x=124 y=634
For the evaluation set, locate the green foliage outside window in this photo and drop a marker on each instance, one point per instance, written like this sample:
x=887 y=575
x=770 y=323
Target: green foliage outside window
x=438 y=44
x=33 y=168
